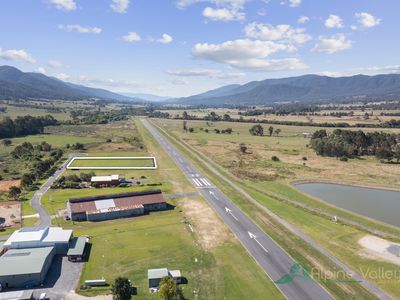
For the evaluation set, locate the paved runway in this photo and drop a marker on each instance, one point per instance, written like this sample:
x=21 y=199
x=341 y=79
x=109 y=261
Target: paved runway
x=269 y=255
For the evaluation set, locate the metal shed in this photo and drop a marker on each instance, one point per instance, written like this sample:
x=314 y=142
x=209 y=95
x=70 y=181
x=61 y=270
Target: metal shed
x=25 y=268
x=155 y=275
x=77 y=249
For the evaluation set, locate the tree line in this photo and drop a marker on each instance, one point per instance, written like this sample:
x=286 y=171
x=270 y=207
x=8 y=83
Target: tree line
x=350 y=144
x=25 y=125
x=214 y=117
x=40 y=165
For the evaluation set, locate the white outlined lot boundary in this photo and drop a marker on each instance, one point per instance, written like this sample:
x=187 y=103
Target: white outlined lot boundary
x=113 y=158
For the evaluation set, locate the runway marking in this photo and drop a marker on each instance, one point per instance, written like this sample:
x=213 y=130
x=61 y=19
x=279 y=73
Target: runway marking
x=230 y=212
x=254 y=237
x=205 y=181
x=198 y=183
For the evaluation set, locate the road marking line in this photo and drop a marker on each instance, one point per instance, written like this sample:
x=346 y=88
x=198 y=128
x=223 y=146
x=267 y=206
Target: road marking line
x=204 y=181
x=254 y=237
x=198 y=183
x=230 y=212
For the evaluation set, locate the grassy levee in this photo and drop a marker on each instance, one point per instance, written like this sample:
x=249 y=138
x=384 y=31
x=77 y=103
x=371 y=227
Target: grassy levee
x=128 y=247
x=284 y=191
x=295 y=246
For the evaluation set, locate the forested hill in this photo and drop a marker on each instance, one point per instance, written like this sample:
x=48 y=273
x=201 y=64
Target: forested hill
x=307 y=88
x=15 y=84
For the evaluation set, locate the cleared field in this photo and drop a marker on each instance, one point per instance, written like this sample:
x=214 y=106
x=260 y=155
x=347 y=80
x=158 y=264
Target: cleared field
x=113 y=163
x=297 y=160
x=131 y=246
x=340 y=239
x=220 y=269
x=358 y=116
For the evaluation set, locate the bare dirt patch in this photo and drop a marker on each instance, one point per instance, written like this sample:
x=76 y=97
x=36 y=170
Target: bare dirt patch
x=210 y=230
x=377 y=248
x=10 y=213
x=6 y=184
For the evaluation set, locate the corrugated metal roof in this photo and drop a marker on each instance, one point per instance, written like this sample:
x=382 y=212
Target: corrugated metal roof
x=157 y=273
x=77 y=246
x=104 y=204
x=123 y=201
x=104 y=178
x=114 y=196
x=34 y=234
x=24 y=261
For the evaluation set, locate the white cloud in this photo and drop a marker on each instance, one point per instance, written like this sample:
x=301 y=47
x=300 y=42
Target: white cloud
x=54 y=63
x=41 y=70
x=62 y=76
x=225 y=10
x=292 y=3
x=66 y=5
x=223 y=14
x=132 y=37
x=334 y=21
x=120 y=6
x=303 y=19
x=178 y=82
x=221 y=3
x=391 y=69
x=367 y=20
x=332 y=44
x=211 y=73
x=17 y=55
x=281 y=32
x=165 y=39
x=80 y=29
x=247 y=54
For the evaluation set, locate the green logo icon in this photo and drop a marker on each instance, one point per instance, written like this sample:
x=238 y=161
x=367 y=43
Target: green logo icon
x=296 y=270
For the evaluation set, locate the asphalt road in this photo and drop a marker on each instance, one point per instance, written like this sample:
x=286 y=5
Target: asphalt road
x=268 y=254
x=45 y=218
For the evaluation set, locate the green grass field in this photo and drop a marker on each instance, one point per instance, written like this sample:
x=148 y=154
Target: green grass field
x=99 y=163
x=128 y=247
x=338 y=238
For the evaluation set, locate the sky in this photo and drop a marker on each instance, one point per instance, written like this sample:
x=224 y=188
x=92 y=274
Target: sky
x=184 y=47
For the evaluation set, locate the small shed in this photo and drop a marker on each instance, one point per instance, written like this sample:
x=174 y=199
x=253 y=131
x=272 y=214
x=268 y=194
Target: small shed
x=77 y=249
x=155 y=275
x=112 y=180
x=176 y=275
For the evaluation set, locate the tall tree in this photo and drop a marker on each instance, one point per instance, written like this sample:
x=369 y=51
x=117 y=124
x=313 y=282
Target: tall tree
x=257 y=130
x=271 y=130
x=121 y=289
x=169 y=290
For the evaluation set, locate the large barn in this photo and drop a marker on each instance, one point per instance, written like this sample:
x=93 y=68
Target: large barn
x=33 y=237
x=106 y=207
x=25 y=268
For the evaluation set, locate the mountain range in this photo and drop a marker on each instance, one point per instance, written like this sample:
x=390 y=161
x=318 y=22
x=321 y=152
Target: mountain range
x=15 y=84
x=307 y=88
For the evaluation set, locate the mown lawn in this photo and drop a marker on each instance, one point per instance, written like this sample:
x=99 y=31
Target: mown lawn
x=98 y=163
x=129 y=247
